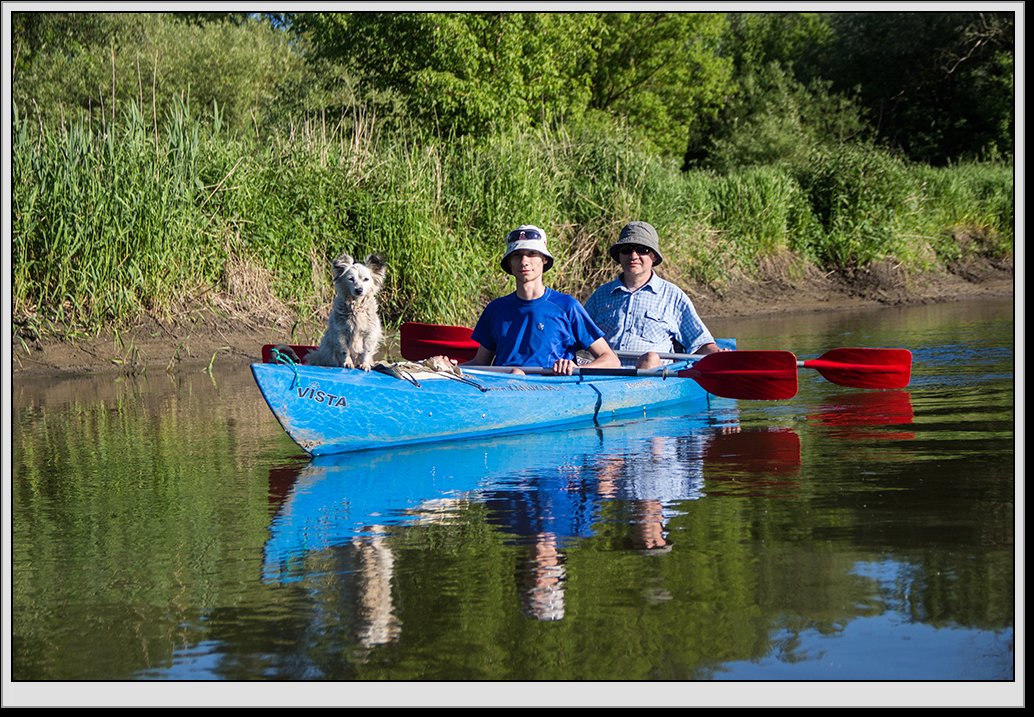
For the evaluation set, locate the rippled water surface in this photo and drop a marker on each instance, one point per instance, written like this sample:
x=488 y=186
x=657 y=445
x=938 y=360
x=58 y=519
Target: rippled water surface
x=164 y=528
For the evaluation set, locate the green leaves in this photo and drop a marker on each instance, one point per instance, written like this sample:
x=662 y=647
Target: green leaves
x=660 y=73
x=940 y=83
x=153 y=154
x=75 y=65
x=479 y=73
x=464 y=73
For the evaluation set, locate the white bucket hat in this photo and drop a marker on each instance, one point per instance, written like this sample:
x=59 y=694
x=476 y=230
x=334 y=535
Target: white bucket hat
x=527 y=237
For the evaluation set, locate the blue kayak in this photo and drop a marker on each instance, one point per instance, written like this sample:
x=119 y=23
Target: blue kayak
x=332 y=410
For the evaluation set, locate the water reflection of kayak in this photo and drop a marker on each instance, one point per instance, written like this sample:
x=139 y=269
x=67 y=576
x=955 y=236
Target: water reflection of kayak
x=558 y=474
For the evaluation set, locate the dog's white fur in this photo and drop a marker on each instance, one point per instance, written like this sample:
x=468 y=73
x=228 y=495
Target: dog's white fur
x=354 y=329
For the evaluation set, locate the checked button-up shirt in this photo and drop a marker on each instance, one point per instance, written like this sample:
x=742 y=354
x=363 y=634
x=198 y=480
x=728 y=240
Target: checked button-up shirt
x=657 y=317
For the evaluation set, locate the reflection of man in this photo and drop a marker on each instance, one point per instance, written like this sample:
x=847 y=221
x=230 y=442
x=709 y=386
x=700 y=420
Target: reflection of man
x=641 y=312
x=653 y=482
x=649 y=534
x=543 y=511
x=542 y=578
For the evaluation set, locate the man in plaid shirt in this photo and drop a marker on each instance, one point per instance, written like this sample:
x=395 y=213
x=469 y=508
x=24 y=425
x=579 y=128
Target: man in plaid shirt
x=641 y=312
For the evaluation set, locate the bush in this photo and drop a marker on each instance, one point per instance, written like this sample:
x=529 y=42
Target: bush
x=774 y=118
x=112 y=222
x=974 y=200
x=93 y=63
x=862 y=199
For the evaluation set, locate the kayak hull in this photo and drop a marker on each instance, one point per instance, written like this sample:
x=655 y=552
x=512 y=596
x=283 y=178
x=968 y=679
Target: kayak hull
x=331 y=410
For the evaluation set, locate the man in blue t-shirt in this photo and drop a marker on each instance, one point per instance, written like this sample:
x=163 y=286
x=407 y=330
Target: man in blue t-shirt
x=535 y=325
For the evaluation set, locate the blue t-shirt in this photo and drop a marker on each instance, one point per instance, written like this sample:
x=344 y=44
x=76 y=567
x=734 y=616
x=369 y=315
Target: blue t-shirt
x=536 y=332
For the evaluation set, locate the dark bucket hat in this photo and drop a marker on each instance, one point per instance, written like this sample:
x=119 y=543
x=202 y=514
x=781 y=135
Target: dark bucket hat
x=639 y=233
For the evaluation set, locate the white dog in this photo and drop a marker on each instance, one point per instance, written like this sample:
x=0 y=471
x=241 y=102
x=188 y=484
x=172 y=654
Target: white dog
x=354 y=328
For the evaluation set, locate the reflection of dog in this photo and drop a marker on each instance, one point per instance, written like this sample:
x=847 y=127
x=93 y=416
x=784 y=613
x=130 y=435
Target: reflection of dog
x=354 y=328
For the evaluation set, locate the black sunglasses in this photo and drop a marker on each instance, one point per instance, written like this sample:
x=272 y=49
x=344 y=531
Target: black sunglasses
x=521 y=234
x=637 y=248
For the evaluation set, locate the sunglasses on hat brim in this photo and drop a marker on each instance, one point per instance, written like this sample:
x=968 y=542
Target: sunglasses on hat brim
x=523 y=235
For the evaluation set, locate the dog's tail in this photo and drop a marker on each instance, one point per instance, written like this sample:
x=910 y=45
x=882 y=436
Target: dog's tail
x=282 y=353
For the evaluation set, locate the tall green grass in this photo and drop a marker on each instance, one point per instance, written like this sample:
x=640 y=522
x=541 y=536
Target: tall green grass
x=968 y=209
x=104 y=221
x=174 y=215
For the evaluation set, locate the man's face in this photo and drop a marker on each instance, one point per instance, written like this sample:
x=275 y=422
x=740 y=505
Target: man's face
x=527 y=265
x=636 y=260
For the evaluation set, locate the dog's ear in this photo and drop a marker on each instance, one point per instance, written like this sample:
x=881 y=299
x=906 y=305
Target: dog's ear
x=340 y=264
x=377 y=266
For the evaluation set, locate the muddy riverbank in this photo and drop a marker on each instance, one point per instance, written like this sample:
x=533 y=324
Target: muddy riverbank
x=210 y=338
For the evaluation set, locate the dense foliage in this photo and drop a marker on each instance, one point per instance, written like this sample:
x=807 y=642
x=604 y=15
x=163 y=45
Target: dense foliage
x=158 y=156
x=937 y=86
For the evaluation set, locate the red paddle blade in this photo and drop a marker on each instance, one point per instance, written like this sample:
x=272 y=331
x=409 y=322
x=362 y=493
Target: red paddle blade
x=755 y=375
x=865 y=368
x=420 y=341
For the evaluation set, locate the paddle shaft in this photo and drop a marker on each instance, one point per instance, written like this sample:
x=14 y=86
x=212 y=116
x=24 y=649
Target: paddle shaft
x=582 y=371
x=755 y=375
x=810 y=363
x=854 y=367
x=666 y=356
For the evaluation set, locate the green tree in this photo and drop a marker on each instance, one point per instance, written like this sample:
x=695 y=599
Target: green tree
x=58 y=62
x=776 y=106
x=795 y=40
x=662 y=74
x=657 y=74
x=463 y=73
x=938 y=85
x=773 y=117
x=76 y=65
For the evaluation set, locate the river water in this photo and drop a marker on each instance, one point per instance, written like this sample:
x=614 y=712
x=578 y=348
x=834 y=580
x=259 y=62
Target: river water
x=165 y=529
